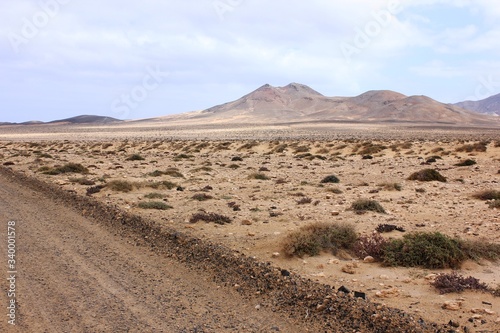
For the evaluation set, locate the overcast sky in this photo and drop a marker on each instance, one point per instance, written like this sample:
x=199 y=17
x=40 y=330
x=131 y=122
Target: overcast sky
x=140 y=59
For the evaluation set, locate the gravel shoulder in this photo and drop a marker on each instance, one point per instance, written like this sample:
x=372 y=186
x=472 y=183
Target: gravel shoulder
x=74 y=275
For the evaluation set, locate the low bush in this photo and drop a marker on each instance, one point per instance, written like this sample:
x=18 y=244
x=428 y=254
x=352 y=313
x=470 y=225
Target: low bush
x=67 y=168
x=480 y=249
x=428 y=250
x=314 y=238
x=82 y=181
x=495 y=204
x=258 y=176
x=209 y=217
x=159 y=205
x=135 y=157
x=162 y=184
x=467 y=162
x=154 y=195
x=372 y=245
x=487 y=195
x=427 y=175
x=475 y=147
x=120 y=186
x=201 y=197
x=330 y=179
x=365 y=205
x=304 y=201
x=391 y=186
x=455 y=283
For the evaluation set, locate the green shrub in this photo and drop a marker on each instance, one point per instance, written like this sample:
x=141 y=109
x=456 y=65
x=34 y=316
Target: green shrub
x=467 y=162
x=135 y=157
x=427 y=175
x=330 y=179
x=365 y=205
x=120 y=186
x=428 y=250
x=160 y=205
x=154 y=195
x=314 y=238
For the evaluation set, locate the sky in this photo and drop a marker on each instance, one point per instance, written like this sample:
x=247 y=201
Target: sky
x=142 y=59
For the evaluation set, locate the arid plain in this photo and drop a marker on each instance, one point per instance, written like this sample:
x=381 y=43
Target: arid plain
x=267 y=181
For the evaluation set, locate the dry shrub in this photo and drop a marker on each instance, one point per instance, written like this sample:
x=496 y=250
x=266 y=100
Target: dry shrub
x=258 y=176
x=314 y=238
x=209 y=217
x=455 y=283
x=135 y=157
x=159 y=205
x=120 y=186
x=304 y=201
x=427 y=175
x=467 y=162
x=330 y=179
x=67 y=168
x=487 y=195
x=372 y=245
x=201 y=197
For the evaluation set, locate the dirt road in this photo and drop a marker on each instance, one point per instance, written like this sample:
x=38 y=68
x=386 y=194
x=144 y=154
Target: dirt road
x=74 y=275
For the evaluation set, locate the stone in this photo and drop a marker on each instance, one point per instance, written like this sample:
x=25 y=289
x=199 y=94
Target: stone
x=387 y=293
x=369 y=259
x=335 y=213
x=349 y=269
x=276 y=255
x=452 y=305
x=246 y=222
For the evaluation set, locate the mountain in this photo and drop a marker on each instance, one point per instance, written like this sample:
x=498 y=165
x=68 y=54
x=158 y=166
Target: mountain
x=299 y=103
x=490 y=105
x=86 y=119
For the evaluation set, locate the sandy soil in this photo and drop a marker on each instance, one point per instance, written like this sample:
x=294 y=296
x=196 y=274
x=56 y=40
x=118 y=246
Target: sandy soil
x=269 y=209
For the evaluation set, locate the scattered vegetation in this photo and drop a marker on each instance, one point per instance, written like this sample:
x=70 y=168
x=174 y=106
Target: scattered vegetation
x=314 y=238
x=364 y=205
x=159 y=205
x=455 y=283
x=162 y=184
x=475 y=147
x=427 y=175
x=209 y=217
x=330 y=179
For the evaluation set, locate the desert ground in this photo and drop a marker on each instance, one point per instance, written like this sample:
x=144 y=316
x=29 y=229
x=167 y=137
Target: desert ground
x=267 y=182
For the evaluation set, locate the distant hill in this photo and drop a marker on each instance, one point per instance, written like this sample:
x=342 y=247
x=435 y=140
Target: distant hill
x=299 y=103
x=490 y=105
x=86 y=119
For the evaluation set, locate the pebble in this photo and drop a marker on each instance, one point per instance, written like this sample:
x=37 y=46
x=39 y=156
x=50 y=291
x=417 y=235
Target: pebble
x=335 y=213
x=276 y=255
x=452 y=305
